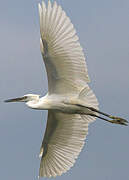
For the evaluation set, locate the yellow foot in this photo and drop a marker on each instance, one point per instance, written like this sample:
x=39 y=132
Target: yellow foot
x=118 y=120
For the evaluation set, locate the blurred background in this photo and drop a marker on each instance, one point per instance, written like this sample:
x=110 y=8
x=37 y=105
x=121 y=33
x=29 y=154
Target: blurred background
x=103 y=29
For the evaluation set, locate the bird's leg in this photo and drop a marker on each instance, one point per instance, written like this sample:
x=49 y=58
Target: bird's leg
x=115 y=119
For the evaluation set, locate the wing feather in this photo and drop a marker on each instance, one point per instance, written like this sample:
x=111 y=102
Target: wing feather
x=62 y=143
x=62 y=54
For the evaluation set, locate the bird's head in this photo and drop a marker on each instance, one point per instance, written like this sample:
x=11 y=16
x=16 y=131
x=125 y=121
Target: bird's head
x=25 y=98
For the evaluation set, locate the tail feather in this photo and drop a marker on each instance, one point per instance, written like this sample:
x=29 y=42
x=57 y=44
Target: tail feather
x=90 y=100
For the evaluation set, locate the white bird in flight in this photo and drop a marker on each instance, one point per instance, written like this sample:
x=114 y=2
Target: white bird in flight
x=71 y=104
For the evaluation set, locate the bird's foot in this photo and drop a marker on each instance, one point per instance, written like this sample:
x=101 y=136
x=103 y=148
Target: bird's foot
x=118 y=120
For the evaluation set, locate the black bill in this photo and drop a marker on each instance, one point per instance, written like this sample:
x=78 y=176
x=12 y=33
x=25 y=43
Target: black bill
x=20 y=99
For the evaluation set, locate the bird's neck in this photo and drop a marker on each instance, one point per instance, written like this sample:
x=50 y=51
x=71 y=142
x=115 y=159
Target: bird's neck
x=41 y=104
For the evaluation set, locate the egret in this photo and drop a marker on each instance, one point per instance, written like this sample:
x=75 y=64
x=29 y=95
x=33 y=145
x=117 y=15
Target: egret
x=70 y=102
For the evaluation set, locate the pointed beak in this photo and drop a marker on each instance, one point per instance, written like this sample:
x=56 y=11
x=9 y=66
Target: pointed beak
x=20 y=99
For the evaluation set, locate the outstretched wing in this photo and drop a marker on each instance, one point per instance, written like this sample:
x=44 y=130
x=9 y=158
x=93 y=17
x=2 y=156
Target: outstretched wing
x=62 y=143
x=62 y=54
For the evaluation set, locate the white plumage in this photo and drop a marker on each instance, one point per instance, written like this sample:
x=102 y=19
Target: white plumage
x=65 y=143
x=70 y=102
x=67 y=74
x=66 y=57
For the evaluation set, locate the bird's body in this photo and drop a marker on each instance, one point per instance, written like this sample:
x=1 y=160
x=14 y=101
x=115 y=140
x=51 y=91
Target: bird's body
x=61 y=103
x=71 y=104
